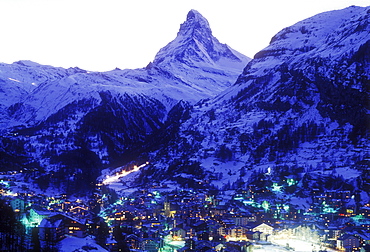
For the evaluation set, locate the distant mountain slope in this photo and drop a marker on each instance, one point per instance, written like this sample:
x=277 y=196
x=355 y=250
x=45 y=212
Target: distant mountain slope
x=192 y=67
x=302 y=102
x=19 y=80
x=70 y=120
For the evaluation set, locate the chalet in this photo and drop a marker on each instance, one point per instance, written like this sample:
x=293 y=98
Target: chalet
x=111 y=244
x=17 y=205
x=190 y=244
x=239 y=246
x=327 y=235
x=37 y=214
x=51 y=230
x=218 y=210
x=220 y=247
x=200 y=226
x=154 y=232
x=263 y=228
x=74 y=227
x=243 y=218
x=178 y=233
x=265 y=231
x=237 y=231
x=222 y=231
x=213 y=229
x=348 y=242
x=203 y=236
x=253 y=236
x=283 y=232
x=151 y=244
x=133 y=241
x=227 y=223
x=330 y=232
x=80 y=211
x=60 y=225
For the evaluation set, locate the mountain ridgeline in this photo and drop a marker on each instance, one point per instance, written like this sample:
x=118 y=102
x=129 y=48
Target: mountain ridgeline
x=301 y=106
x=66 y=125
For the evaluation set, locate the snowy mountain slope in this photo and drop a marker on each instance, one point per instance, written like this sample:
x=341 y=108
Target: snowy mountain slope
x=328 y=65
x=194 y=66
x=331 y=35
x=19 y=80
x=302 y=102
x=65 y=121
x=194 y=49
x=177 y=73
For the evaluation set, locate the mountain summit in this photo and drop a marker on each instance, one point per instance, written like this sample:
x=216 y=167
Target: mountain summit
x=195 y=45
x=195 y=25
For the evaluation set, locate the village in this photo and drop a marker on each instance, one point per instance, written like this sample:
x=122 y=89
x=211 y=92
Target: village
x=167 y=219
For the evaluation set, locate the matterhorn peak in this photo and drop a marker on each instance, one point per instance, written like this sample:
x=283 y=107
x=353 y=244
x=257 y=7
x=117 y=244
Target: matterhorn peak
x=193 y=14
x=195 y=22
x=196 y=45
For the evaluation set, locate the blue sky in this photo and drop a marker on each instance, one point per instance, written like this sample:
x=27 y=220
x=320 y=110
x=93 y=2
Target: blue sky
x=99 y=35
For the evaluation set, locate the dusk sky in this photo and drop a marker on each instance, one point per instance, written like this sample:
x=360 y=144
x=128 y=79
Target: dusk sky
x=100 y=35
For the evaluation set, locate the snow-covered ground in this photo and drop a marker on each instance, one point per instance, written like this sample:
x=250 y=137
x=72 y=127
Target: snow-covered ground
x=297 y=245
x=70 y=244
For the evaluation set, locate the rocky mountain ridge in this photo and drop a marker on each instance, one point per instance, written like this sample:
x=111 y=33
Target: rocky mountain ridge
x=299 y=108
x=69 y=123
x=301 y=105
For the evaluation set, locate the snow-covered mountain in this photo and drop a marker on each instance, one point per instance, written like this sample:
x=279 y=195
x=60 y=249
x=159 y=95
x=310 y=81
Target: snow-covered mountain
x=194 y=49
x=19 y=80
x=301 y=105
x=192 y=67
x=67 y=120
x=299 y=109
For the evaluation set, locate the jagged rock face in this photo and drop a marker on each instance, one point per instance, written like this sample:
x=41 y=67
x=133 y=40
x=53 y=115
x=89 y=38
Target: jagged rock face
x=51 y=117
x=209 y=65
x=37 y=91
x=303 y=100
x=198 y=45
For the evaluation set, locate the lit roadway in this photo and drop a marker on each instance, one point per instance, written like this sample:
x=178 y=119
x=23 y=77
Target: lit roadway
x=114 y=178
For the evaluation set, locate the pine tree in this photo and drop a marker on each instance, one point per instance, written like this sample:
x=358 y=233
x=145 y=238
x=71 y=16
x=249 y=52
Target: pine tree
x=11 y=231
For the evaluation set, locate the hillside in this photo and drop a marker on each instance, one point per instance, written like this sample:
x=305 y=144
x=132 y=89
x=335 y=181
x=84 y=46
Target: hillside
x=299 y=110
x=68 y=124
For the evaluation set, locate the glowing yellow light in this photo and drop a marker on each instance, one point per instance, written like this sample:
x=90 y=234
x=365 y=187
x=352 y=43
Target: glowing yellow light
x=111 y=179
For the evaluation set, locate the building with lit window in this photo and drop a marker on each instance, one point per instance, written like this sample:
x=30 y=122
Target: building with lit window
x=51 y=230
x=75 y=227
x=263 y=228
x=37 y=214
x=348 y=242
x=151 y=244
x=60 y=225
x=17 y=205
